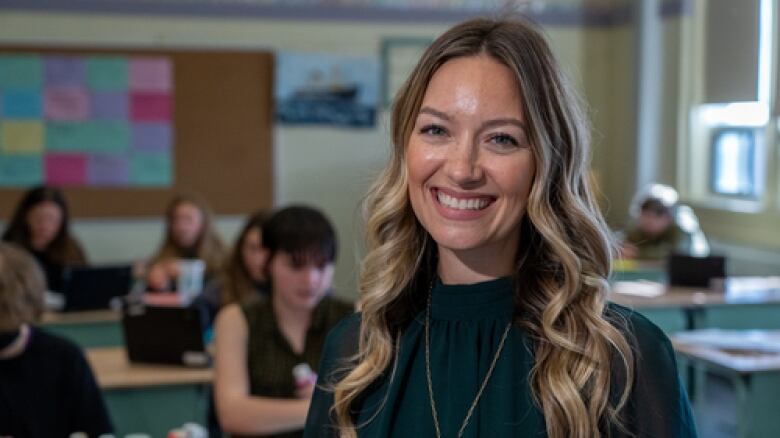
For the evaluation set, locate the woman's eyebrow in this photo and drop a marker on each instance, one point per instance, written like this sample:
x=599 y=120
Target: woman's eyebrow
x=433 y=112
x=504 y=121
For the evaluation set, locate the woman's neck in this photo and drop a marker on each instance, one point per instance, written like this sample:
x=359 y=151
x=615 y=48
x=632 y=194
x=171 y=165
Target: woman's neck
x=293 y=323
x=477 y=265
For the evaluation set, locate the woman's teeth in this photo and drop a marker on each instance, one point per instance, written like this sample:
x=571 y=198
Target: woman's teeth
x=462 y=204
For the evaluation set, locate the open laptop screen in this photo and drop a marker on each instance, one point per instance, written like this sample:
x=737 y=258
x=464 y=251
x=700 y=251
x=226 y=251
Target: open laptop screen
x=92 y=288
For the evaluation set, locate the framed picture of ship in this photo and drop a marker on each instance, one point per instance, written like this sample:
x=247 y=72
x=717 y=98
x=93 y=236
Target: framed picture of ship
x=399 y=56
x=323 y=89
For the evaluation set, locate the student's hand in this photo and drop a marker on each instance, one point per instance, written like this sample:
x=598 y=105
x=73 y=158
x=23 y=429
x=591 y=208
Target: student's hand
x=305 y=391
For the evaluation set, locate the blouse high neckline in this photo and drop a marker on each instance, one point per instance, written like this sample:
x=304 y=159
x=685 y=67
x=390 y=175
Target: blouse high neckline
x=492 y=299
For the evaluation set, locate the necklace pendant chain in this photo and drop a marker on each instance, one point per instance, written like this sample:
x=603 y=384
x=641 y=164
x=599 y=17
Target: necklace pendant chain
x=430 y=380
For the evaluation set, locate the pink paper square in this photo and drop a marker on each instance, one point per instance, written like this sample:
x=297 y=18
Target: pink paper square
x=150 y=107
x=65 y=169
x=66 y=104
x=150 y=74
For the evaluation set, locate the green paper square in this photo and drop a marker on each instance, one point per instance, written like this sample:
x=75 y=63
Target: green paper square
x=21 y=71
x=20 y=170
x=151 y=169
x=102 y=136
x=107 y=73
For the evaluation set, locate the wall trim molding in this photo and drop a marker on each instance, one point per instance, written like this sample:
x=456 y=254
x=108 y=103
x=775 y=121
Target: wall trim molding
x=545 y=14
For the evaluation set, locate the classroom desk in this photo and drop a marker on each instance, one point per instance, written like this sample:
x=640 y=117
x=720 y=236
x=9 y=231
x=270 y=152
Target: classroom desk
x=95 y=328
x=695 y=308
x=738 y=391
x=146 y=398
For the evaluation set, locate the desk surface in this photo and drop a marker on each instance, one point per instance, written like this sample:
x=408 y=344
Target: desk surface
x=742 y=362
x=673 y=297
x=113 y=371
x=695 y=297
x=87 y=317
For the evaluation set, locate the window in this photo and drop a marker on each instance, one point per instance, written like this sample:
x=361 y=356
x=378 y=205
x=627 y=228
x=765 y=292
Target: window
x=735 y=169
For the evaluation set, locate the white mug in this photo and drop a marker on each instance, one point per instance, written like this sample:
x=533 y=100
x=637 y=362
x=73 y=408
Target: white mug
x=189 y=283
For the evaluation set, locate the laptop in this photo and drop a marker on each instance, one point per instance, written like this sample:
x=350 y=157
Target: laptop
x=689 y=271
x=164 y=335
x=94 y=287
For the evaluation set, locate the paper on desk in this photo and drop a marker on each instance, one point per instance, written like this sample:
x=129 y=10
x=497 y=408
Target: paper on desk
x=641 y=288
x=743 y=340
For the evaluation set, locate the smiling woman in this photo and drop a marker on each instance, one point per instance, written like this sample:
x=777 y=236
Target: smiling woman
x=470 y=168
x=483 y=289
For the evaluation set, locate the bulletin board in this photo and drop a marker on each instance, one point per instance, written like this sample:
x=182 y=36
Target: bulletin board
x=221 y=120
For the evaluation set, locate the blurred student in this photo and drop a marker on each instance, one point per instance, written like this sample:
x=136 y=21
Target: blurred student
x=46 y=385
x=660 y=226
x=189 y=234
x=40 y=225
x=260 y=343
x=242 y=277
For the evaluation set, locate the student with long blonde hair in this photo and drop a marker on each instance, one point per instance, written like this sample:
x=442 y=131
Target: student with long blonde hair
x=483 y=290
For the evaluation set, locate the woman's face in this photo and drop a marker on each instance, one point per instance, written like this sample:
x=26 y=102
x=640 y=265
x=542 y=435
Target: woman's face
x=469 y=162
x=254 y=255
x=299 y=287
x=45 y=220
x=186 y=224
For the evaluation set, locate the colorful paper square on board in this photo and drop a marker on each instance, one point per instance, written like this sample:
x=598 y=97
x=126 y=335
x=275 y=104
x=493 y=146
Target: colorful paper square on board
x=20 y=71
x=150 y=107
x=109 y=105
x=20 y=170
x=150 y=74
x=108 y=169
x=21 y=137
x=102 y=136
x=65 y=71
x=21 y=104
x=65 y=169
x=107 y=73
x=152 y=137
x=66 y=104
x=147 y=169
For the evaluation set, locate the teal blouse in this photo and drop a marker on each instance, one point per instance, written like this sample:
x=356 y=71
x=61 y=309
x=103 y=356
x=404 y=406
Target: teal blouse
x=467 y=322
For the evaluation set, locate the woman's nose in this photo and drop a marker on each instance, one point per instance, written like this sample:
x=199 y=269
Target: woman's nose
x=463 y=165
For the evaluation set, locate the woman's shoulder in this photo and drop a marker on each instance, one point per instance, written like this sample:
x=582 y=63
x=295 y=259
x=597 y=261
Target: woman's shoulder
x=643 y=332
x=341 y=343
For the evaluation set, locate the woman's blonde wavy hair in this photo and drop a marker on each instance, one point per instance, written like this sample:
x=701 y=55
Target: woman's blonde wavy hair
x=562 y=263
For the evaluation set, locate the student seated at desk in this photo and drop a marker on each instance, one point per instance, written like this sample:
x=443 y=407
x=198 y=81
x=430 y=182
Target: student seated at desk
x=259 y=343
x=661 y=226
x=189 y=234
x=40 y=225
x=242 y=278
x=46 y=385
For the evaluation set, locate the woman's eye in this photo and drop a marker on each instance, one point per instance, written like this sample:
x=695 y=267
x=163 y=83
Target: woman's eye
x=503 y=140
x=434 y=130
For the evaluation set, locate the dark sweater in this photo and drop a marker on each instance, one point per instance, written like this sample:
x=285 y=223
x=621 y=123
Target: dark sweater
x=49 y=391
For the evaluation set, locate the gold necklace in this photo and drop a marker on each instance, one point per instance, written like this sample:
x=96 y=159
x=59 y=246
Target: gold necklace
x=428 y=370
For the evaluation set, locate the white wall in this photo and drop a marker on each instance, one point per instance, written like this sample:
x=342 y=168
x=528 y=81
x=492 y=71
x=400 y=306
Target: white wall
x=326 y=167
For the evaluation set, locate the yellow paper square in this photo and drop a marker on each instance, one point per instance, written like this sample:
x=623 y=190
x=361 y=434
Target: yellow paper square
x=22 y=137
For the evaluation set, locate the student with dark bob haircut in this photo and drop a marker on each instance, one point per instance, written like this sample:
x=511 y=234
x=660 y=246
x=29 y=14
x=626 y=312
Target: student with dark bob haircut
x=46 y=385
x=483 y=292
x=260 y=343
x=40 y=225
